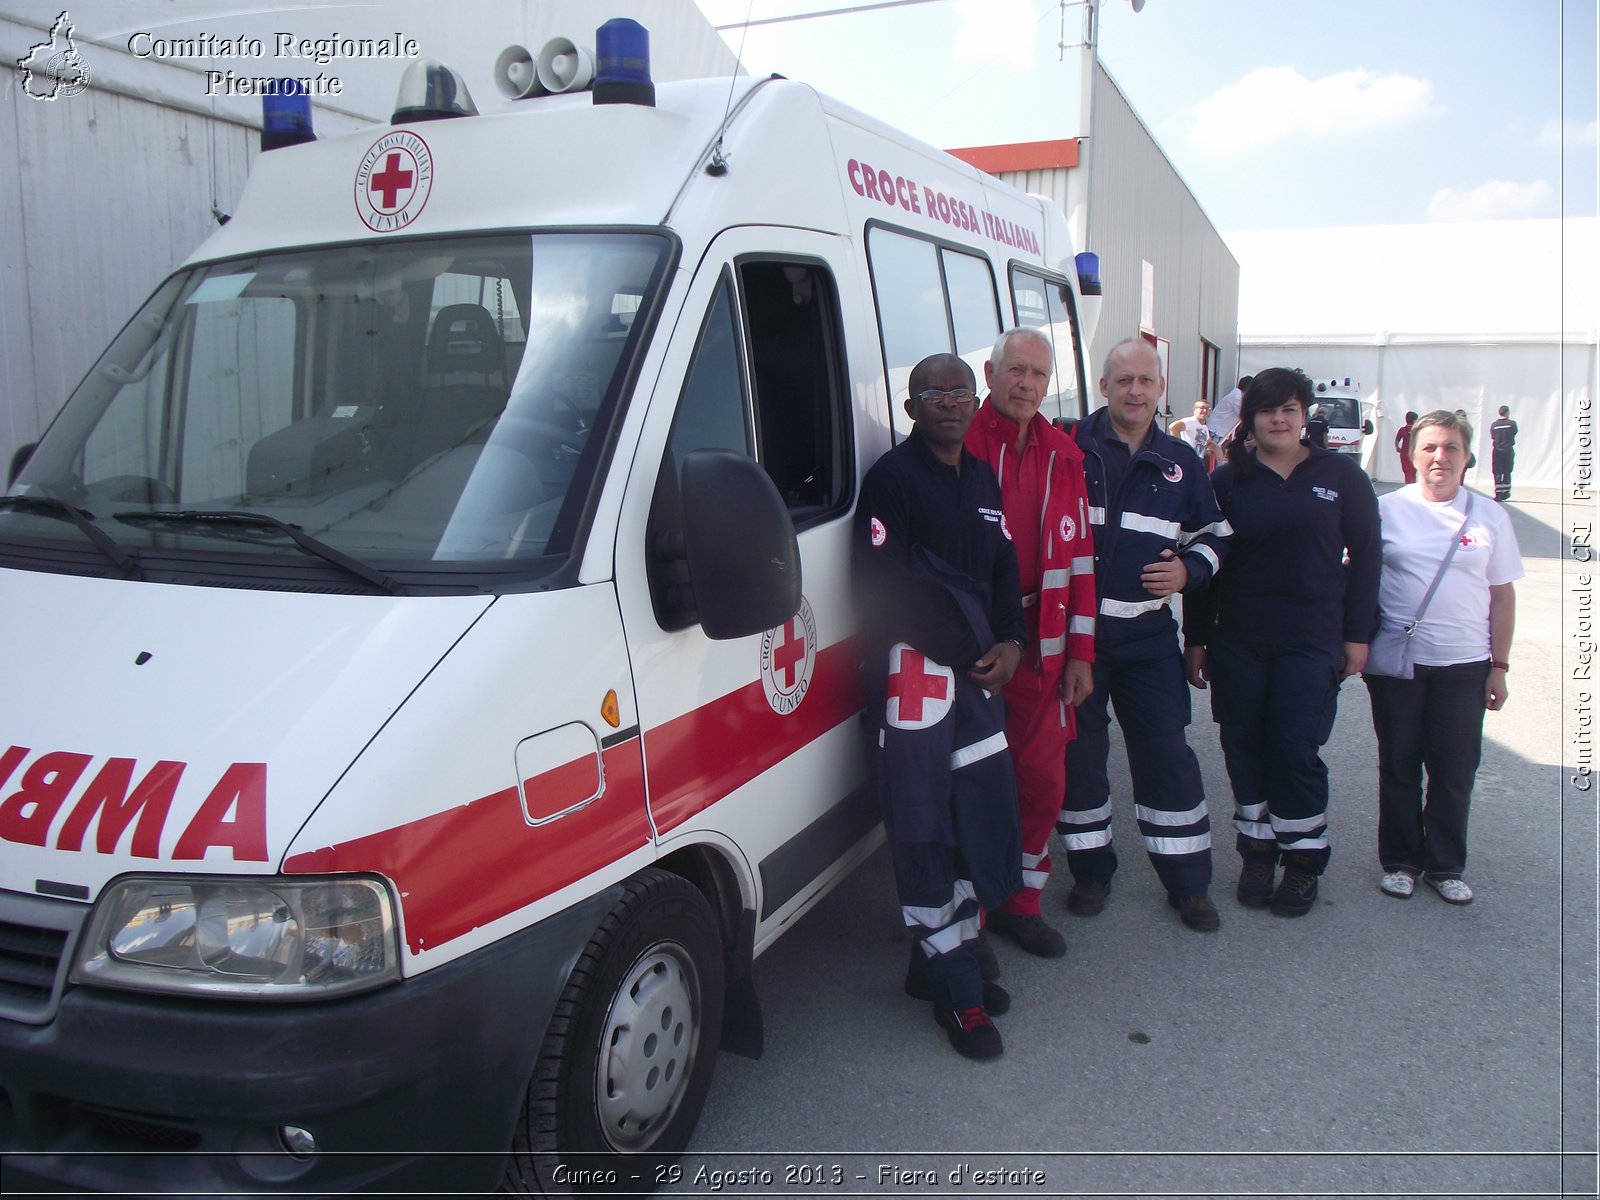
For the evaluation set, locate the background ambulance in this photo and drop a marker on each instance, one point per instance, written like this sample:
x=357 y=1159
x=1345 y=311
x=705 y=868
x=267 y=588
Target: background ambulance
x=1338 y=407
x=433 y=678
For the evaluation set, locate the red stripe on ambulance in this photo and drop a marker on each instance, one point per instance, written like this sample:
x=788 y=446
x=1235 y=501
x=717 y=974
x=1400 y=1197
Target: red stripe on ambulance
x=460 y=869
x=698 y=758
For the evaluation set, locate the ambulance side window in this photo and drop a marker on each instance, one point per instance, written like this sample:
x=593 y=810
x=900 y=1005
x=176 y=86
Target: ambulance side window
x=767 y=380
x=711 y=410
x=1046 y=304
x=710 y=416
x=796 y=367
x=932 y=298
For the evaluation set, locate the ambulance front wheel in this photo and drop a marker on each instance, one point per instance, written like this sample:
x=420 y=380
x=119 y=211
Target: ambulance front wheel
x=628 y=1056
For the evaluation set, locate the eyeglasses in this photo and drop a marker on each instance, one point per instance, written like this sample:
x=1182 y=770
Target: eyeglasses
x=954 y=397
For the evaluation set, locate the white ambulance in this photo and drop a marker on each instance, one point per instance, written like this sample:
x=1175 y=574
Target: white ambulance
x=432 y=670
x=1337 y=408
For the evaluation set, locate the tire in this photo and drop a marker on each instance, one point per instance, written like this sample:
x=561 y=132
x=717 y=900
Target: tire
x=628 y=1056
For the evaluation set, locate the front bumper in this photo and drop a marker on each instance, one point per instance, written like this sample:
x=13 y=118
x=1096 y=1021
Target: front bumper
x=414 y=1087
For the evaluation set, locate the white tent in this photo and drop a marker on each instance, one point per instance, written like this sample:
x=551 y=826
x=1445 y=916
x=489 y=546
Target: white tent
x=1467 y=315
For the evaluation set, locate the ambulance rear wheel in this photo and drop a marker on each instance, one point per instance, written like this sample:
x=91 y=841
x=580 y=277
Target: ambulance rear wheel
x=627 y=1060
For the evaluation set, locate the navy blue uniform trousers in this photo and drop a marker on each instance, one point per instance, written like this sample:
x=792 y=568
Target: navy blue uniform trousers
x=950 y=813
x=1151 y=698
x=1275 y=706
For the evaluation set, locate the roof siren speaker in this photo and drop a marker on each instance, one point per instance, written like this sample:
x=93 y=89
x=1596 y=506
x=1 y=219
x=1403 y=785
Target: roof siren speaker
x=622 y=64
x=565 y=66
x=516 y=73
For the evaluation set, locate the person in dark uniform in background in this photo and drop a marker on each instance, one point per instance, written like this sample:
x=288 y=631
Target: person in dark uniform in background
x=936 y=577
x=1503 y=436
x=1157 y=532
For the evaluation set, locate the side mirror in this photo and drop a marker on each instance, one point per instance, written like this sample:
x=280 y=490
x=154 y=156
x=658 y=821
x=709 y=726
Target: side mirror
x=1366 y=427
x=739 y=541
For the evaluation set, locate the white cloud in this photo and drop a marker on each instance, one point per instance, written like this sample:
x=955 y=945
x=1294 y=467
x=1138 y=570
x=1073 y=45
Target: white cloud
x=1570 y=132
x=1275 y=104
x=1496 y=200
x=1001 y=32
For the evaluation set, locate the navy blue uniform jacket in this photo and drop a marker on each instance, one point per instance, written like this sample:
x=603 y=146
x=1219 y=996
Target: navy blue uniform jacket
x=1287 y=581
x=1164 y=502
x=935 y=566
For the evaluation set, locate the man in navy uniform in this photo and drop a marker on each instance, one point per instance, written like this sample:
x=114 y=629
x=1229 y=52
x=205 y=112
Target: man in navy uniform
x=1503 y=437
x=1157 y=532
x=936 y=575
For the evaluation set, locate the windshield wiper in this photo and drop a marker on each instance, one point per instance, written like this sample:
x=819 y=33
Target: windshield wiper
x=49 y=506
x=218 y=522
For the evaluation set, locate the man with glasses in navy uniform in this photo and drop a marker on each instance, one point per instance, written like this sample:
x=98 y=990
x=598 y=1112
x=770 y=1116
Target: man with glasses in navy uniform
x=936 y=576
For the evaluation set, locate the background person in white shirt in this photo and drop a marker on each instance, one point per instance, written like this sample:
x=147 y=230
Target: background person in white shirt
x=1225 y=415
x=1197 y=433
x=1461 y=650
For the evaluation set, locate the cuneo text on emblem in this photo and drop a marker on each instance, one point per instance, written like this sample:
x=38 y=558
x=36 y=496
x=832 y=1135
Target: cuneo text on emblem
x=788 y=658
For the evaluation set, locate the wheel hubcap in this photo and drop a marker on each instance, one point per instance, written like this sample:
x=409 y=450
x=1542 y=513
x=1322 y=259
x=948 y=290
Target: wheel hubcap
x=647 y=1047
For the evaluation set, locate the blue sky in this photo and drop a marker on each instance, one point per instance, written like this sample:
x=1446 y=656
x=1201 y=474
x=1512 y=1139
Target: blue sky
x=1278 y=113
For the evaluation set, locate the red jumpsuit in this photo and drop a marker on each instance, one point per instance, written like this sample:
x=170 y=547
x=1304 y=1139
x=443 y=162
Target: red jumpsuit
x=1047 y=511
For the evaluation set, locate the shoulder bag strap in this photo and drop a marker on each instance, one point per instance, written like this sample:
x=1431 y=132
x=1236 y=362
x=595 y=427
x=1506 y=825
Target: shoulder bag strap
x=1439 y=574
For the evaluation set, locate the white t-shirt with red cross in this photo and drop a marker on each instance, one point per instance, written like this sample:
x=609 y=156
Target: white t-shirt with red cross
x=1416 y=535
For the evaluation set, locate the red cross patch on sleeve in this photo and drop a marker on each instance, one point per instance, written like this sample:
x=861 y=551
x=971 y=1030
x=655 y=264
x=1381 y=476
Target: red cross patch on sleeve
x=920 y=691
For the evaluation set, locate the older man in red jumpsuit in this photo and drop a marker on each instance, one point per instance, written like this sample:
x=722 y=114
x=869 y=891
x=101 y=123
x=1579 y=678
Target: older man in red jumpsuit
x=1046 y=509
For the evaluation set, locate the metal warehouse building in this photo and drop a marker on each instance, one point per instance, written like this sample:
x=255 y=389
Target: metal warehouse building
x=1168 y=275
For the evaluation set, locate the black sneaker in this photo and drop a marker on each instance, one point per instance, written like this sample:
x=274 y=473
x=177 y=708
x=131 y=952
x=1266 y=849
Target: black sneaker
x=970 y=1031
x=1256 y=881
x=1295 y=895
x=1087 y=897
x=995 y=998
x=1031 y=933
x=988 y=960
x=1197 y=912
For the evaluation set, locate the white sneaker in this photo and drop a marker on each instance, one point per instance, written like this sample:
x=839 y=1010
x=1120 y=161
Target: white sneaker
x=1399 y=884
x=1455 y=891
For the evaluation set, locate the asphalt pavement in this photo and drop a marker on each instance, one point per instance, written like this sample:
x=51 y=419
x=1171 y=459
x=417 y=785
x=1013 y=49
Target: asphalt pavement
x=1375 y=1047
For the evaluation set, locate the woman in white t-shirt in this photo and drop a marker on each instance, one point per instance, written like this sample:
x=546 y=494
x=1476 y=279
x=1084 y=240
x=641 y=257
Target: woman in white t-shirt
x=1461 y=651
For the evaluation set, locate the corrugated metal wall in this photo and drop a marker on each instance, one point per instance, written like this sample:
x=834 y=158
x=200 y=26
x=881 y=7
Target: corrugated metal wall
x=111 y=193
x=1141 y=210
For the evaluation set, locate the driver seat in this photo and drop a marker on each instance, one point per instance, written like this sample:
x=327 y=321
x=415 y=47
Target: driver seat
x=465 y=382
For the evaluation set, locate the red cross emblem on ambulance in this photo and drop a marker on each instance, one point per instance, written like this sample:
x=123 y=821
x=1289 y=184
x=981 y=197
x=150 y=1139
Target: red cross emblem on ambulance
x=393 y=181
x=920 y=690
x=788 y=658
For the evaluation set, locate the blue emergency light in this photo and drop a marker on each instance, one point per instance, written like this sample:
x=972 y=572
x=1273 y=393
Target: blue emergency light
x=286 y=115
x=1088 y=264
x=622 y=64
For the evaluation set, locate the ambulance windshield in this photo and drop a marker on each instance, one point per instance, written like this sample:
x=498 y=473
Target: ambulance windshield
x=417 y=405
x=1340 y=412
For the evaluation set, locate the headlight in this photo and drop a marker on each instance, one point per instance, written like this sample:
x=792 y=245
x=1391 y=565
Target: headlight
x=278 y=939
